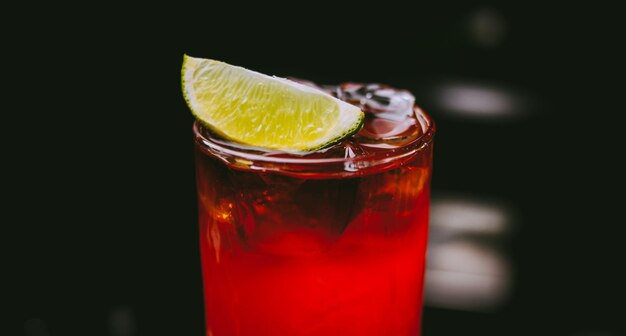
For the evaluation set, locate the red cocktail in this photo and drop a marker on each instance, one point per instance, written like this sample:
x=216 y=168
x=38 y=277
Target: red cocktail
x=330 y=243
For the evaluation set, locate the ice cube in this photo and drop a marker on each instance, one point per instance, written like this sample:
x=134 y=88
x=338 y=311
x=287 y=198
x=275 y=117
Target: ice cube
x=386 y=102
x=395 y=191
x=385 y=129
x=301 y=217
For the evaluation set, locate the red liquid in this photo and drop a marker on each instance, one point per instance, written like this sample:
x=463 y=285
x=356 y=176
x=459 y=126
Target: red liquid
x=323 y=253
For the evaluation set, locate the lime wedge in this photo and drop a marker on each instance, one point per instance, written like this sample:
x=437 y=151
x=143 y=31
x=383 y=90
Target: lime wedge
x=269 y=112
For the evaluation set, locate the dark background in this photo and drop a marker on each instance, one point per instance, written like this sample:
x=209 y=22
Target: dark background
x=100 y=171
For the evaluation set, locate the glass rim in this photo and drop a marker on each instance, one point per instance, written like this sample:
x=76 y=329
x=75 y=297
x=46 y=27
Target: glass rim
x=232 y=155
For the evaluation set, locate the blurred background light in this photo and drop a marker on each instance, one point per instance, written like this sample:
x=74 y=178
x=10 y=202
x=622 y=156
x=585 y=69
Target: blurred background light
x=467 y=268
x=487 y=27
x=122 y=321
x=462 y=214
x=474 y=100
